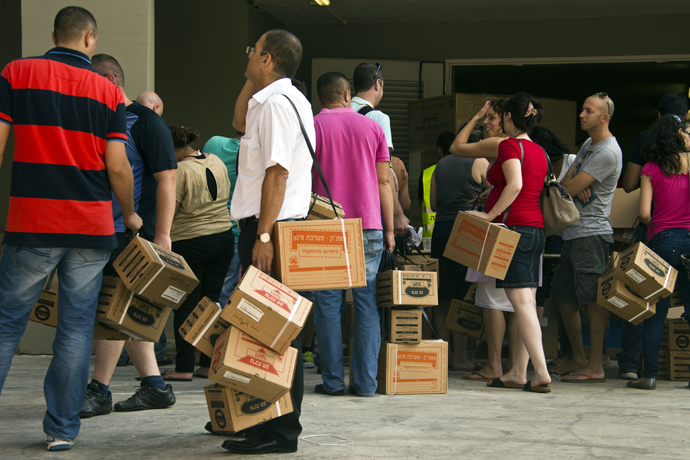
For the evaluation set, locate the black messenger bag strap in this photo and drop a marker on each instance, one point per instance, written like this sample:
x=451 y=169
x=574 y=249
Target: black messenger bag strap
x=313 y=155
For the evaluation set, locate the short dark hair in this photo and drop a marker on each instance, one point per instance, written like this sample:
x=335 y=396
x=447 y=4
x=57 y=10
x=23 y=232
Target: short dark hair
x=106 y=64
x=300 y=85
x=548 y=140
x=674 y=104
x=285 y=50
x=330 y=87
x=366 y=75
x=71 y=22
x=183 y=136
x=517 y=106
x=445 y=140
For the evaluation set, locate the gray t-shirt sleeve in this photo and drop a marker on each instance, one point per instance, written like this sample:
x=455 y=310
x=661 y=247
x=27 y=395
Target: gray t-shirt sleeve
x=601 y=165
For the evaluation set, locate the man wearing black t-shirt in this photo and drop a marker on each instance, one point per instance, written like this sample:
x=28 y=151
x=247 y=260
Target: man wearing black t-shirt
x=151 y=154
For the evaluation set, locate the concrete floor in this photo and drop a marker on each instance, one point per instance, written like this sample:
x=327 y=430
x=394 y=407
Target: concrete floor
x=593 y=420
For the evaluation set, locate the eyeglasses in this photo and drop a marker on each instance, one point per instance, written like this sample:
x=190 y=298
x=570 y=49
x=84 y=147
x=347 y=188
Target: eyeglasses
x=251 y=50
x=605 y=97
x=378 y=71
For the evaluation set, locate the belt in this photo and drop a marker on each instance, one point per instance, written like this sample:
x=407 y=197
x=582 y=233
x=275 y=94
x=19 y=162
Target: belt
x=247 y=220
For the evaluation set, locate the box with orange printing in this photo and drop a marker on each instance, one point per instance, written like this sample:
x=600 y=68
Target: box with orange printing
x=317 y=255
x=267 y=310
x=242 y=363
x=413 y=368
x=482 y=246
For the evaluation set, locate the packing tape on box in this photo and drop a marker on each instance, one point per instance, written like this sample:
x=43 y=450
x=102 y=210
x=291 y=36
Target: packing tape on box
x=288 y=321
x=159 y=270
x=481 y=255
x=205 y=329
x=668 y=276
x=278 y=408
x=640 y=314
x=395 y=370
x=347 y=254
x=124 y=312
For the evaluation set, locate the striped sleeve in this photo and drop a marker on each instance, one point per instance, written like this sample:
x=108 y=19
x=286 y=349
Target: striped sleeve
x=5 y=98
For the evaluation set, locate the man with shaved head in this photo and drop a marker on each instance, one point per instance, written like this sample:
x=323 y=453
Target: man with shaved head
x=591 y=180
x=152 y=101
x=347 y=141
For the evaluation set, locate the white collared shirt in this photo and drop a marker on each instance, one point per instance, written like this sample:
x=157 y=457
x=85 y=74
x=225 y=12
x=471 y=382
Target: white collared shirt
x=379 y=117
x=273 y=136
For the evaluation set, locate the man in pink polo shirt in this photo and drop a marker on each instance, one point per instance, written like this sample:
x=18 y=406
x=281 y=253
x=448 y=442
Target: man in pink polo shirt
x=354 y=157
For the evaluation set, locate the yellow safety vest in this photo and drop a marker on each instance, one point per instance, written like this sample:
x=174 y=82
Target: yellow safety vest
x=428 y=216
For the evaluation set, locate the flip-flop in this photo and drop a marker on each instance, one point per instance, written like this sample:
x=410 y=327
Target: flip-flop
x=536 y=389
x=476 y=367
x=477 y=375
x=589 y=379
x=558 y=370
x=168 y=378
x=498 y=383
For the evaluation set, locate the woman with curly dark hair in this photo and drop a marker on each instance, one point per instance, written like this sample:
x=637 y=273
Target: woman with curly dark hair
x=665 y=185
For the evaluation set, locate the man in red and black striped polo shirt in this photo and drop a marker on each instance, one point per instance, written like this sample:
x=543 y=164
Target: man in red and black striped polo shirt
x=69 y=150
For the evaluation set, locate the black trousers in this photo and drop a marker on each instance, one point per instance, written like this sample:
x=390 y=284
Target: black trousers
x=209 y=257
x=286 y=429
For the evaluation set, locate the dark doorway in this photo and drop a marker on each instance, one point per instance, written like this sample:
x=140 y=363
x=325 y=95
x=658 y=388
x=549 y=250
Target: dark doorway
x=635 y=87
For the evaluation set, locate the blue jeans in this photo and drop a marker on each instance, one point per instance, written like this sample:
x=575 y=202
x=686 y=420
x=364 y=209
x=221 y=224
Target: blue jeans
x=669 y=245
x=22 y=274
x=327 y=319
x=231 y=279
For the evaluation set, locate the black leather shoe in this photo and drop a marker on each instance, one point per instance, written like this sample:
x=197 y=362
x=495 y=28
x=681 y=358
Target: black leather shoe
x=147 y=398
x=95 y=403
x=643 y=384
x=255 y=447
x=322 y=391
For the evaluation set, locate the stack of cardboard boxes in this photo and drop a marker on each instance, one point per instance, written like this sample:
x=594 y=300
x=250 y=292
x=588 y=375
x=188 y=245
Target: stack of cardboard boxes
x=253 y=365
x=152 y=282
x=407 y=363
x=136 y=305
x=634 y=281
x=674 y=358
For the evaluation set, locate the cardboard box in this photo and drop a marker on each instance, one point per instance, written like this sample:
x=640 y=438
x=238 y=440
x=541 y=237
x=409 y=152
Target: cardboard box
x=267 y=310
x=232 y=411
x=398 y=287
x=617 y=298
x=645 y=273
x=120 y=309
x=471 y=295
x=679 y=365
x=320 y=208
x=467 y=319
x=678 y=334
x=403 y=325
x=421 y=262
x=155 y=274
x=663 y=369
x=199 y=322
x=246 y=365
x=413 y=369
x=624 y=208
x=319 y=254
x=427 y=118
x=482 y=246
x=45 y=310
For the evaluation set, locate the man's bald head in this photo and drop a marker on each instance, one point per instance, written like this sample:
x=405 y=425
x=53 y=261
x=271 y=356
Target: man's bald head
x=152 y=101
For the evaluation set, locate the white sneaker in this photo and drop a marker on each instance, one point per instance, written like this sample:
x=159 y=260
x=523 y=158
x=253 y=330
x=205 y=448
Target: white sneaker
x=54 y=444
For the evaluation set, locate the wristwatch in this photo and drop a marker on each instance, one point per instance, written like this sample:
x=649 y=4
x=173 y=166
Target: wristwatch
x=263 y=237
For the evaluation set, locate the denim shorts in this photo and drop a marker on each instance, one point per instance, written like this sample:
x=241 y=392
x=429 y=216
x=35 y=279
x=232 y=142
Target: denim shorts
x=523 y=271
x=582 y=262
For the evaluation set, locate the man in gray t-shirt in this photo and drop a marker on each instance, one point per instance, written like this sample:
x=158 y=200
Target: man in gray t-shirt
x=591 y=181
